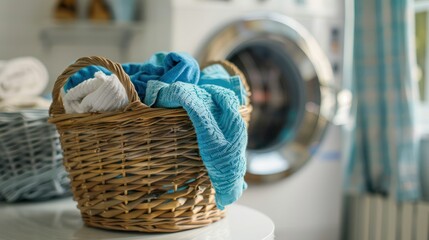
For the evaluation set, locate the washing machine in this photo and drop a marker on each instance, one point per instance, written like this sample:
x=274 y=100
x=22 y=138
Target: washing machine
x=291 y=52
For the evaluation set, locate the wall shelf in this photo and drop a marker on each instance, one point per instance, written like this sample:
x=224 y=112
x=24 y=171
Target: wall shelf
x=89 y=33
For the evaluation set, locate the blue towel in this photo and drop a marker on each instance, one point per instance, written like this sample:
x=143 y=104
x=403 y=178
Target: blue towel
x=165 y=67
x=220 y=130
x=217 y=75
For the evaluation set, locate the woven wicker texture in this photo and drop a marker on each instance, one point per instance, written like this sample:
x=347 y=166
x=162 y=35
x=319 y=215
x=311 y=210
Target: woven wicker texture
x=30 y=157
x=138 y=169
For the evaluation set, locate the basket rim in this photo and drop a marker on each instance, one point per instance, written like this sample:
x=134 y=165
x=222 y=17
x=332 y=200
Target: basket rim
x=136 y=108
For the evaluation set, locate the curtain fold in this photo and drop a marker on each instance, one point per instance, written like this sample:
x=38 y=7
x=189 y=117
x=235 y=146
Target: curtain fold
x=384 y=156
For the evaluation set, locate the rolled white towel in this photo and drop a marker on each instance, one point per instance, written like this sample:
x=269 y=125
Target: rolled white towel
x=103 y=93
x=22 y=77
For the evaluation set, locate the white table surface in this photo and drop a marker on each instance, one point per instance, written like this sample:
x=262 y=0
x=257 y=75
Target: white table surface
x=60 y=220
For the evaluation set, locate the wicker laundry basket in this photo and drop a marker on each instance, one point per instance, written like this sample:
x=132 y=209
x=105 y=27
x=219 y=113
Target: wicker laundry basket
x=30 y=157
x=138 y=169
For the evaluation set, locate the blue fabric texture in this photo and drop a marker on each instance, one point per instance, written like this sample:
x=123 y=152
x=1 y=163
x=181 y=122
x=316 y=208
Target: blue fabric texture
x=162 y=66
x=217 y=75
x=220 y=130
x=384 y=150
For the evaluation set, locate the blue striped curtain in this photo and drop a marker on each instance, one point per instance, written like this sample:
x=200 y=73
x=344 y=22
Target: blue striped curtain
x=384 y=150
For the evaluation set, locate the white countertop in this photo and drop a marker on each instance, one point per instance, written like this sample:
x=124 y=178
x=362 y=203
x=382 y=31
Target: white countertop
x=60 y=220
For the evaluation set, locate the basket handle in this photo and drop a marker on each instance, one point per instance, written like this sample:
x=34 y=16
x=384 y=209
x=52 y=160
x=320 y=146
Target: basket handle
x=57 y=104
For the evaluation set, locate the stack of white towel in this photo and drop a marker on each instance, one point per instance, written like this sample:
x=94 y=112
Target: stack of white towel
x=22 y=81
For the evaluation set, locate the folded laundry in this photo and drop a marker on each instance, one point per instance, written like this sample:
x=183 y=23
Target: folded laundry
x=220 y=129
x=22 y=77
x=99 y=94
x=165 y=67
x=16 y=104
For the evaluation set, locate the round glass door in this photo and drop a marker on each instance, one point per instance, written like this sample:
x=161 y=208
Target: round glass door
x=290 y=79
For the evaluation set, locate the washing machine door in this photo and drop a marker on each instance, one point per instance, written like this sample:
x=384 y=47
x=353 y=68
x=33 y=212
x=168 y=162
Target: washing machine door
x=292 y=89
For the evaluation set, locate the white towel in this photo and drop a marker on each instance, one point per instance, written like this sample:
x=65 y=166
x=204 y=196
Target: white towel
x=103 y=93
x=17 y=104
x=22 y=77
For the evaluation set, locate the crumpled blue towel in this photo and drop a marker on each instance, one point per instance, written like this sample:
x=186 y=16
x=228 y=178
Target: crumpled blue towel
x=162 y=66
x=220 y=129
x=217 y=75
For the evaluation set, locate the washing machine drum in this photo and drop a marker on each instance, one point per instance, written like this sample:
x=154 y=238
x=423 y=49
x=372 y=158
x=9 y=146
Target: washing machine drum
x=292 y=90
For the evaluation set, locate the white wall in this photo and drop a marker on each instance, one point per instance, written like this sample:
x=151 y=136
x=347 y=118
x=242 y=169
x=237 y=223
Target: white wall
x=21 y=24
